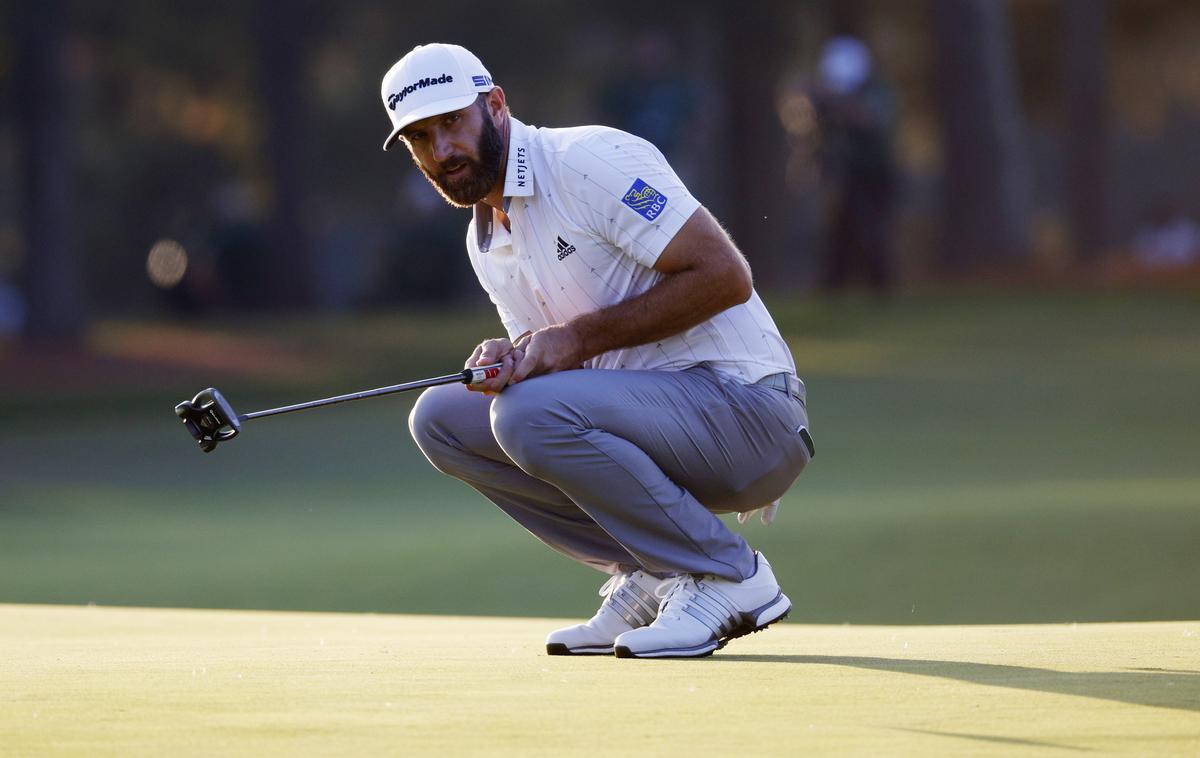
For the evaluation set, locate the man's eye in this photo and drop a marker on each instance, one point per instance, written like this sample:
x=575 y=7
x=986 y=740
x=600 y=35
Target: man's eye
x=415 y=137
x=453 y=118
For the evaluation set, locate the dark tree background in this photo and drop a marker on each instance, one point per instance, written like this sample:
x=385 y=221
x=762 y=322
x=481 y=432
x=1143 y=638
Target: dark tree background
x=1085 y=136
x=53 y=275
x=1022 y=124
x=987 y=183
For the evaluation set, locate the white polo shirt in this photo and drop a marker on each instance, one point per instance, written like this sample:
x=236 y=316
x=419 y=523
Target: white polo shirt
x=591 y=209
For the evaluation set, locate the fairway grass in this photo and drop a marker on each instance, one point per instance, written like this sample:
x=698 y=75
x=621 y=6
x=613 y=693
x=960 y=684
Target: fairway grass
x=981 y=458
x=116 y=681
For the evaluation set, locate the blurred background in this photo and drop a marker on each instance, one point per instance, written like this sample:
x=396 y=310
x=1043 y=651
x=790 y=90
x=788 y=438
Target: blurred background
x=976 y=222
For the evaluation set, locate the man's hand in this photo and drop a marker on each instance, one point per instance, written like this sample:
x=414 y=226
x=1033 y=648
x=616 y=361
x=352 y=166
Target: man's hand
x=496 y=351
x=554 y=348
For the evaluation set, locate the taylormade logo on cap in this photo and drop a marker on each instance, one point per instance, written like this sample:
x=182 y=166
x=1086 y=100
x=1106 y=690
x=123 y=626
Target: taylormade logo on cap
x=426 y=82
x=429 y=81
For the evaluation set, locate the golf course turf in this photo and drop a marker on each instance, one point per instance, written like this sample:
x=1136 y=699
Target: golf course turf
x=991 y=468
x=981 y=458
x=115 y=681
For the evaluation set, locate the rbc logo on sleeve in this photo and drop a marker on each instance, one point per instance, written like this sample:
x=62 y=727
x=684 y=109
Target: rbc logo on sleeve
x=645 y=200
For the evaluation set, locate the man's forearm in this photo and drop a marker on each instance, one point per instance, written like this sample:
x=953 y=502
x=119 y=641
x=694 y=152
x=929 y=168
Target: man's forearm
x=675 y=304
x=702 y=275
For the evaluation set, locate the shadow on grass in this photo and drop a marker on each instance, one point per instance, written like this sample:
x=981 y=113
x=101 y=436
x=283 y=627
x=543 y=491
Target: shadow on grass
x=1158 y=688
x=995 y=739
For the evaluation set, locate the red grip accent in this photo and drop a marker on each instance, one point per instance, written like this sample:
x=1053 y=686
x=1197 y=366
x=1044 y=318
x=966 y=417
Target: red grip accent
x=491 y=373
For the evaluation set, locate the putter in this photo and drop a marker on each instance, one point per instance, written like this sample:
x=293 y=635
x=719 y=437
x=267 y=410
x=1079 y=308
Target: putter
x=211 y=419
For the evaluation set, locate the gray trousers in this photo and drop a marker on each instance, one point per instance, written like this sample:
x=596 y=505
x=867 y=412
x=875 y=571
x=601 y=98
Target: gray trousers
x=623 y=470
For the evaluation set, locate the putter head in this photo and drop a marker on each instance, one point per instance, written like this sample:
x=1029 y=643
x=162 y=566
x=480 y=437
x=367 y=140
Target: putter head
x=210 y=419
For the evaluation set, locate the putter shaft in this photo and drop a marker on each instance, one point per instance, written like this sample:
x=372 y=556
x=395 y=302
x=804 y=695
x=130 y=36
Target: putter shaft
x=466 y=376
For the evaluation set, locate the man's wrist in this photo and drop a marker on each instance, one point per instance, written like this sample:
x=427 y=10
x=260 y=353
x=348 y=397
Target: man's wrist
x=577 y=331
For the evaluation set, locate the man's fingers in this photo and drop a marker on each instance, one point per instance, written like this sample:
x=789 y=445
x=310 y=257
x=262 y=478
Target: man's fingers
x=491 y=351
x=526 y=365
x=499 y=381
x=519 y=360
x=473 y=361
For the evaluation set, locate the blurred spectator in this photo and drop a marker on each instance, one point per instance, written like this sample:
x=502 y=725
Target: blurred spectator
x=654 y=98
x=237 y=240
x=12 y=310
x=856 y=116
x=1170 y=239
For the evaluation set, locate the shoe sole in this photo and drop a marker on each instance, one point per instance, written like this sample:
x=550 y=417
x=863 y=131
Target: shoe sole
x=558 y=648
x=764 y=618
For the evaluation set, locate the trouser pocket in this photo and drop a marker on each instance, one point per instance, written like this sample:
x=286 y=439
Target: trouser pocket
x=808 y=440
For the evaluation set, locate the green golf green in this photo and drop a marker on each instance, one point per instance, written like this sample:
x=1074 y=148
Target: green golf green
x=115 y=681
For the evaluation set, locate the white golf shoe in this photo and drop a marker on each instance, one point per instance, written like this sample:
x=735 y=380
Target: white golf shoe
x=701 y=614
x=629 y=602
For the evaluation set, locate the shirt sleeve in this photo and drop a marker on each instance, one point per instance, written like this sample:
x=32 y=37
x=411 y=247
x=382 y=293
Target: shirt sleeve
x=623 y=190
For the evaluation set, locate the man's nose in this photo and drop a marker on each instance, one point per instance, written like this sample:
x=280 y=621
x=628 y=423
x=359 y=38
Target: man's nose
x=442 y=148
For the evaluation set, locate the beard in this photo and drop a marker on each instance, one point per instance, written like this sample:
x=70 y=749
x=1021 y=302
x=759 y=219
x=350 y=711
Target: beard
x=479 y=176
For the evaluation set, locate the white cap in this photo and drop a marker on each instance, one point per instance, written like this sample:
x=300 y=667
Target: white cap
x=431 y=80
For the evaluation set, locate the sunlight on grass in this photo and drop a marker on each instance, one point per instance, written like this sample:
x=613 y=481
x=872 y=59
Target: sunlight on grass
x=979 y=459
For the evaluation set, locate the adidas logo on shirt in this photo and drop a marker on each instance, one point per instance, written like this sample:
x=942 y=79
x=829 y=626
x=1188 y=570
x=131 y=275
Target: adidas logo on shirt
x=564 y=248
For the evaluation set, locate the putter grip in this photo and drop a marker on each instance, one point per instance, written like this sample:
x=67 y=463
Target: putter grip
x=480 y=373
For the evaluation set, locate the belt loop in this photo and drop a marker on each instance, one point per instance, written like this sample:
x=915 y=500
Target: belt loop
x=789 y=383
x=796 y=388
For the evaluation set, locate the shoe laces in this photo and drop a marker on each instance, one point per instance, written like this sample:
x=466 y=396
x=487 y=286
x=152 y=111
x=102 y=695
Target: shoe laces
x=627 y=599
x=613 y=584
x=700 y=601
x=675 y=594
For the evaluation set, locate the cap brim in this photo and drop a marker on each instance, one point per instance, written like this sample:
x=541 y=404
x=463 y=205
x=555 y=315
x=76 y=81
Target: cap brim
x=436 y=108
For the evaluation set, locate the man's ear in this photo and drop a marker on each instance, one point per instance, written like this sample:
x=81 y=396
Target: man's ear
x=497 y=104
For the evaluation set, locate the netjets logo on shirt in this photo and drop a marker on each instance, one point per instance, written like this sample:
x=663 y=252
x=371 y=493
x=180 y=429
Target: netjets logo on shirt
x=645 y=200
x=428 y=81
x=564 y=248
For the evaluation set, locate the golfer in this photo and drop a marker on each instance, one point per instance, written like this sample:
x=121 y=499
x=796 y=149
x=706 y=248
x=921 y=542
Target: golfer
x=644 y=386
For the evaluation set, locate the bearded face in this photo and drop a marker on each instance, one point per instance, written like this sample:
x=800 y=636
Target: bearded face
x=465 y=179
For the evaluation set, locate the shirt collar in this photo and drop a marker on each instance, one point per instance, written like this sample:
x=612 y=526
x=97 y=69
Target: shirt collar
x=518 y=174
x=518 y=181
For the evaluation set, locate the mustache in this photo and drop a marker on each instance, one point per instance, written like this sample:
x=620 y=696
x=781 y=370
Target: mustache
x=455 y=161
